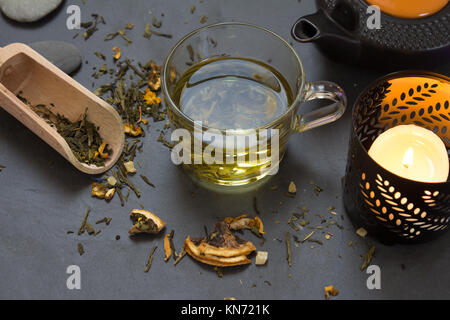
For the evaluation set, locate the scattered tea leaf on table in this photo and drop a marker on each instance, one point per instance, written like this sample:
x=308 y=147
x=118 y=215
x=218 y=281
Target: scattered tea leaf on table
x=150 y=259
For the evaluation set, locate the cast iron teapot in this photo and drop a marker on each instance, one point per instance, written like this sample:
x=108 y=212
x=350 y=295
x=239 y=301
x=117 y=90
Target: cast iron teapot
x=343 y=30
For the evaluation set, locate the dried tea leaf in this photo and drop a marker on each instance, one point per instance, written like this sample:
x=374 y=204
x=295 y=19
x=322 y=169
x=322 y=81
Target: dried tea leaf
x=147 y=181
x=89 y=228
x=105 y=220
x=150 y=259
x=83 y=223
x=82 y=136
x=368 y=257
x=148 y=32
x=180 y=256
x=317 y=190
x=156 y=23
x=308 y=236
x=80 y=249
x=288 y=249
x=100 y=55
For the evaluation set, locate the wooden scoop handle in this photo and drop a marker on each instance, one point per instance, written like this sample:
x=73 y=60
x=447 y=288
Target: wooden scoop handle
x=23 y=69
x=15 y=107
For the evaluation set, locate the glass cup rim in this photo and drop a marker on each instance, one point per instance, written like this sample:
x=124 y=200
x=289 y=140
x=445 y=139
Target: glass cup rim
x=295 y=102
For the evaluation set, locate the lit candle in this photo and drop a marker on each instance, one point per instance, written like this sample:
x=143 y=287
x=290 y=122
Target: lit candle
x=412 y=152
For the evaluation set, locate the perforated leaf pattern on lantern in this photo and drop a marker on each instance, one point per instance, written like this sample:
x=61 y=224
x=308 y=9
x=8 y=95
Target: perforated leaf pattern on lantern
x=400 y=215
x=422 y=101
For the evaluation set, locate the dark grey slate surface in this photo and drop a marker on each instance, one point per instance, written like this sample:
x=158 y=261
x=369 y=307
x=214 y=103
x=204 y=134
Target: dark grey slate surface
x=42 y=196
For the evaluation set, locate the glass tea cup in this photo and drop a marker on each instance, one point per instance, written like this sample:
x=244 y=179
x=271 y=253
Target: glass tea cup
x=233 y=156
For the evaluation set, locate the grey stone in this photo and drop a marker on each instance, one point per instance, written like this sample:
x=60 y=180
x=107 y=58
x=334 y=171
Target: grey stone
x=64 y=55
x=28 y=10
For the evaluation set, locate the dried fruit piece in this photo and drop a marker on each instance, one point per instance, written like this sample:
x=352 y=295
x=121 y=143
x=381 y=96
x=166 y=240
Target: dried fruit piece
x=151 y=98
x=292 y=188
x=154 y=78
x=110 y=194
x=220 y=248
x=330 y=290
x=99 y=190
x=132 y=130
x=101 y=151
x=145 y=222
x=361 y=232
x=244 y=222
x=261 y=258
x=167 y=249
x=117 y=53
x=129 y=166
x=112 y=181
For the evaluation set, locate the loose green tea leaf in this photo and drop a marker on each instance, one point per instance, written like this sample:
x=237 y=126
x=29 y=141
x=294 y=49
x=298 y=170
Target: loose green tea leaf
x=80 y=249
x=308 y=236
x=105 y=220
x=89 y=228
x=100 y=55
x=180 y=256
x=172 y=246
x=91 y=26
x=83 y=223
x=147 y=181
x=156 y=23
x=368 y=257
x=288 y=249
x=148 y=33
x=82 y=136
x=120 y=32
x=150 y=259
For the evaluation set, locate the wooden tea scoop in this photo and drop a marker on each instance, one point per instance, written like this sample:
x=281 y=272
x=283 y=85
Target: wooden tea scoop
x=24 y=70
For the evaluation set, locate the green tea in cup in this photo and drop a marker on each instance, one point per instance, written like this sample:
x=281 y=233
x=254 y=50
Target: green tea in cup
x=232 y=92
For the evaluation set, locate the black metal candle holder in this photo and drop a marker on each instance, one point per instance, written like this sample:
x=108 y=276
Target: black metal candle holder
x=392 y=208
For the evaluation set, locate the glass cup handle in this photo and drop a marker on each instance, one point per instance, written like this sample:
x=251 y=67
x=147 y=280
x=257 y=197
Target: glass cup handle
x=322 y=90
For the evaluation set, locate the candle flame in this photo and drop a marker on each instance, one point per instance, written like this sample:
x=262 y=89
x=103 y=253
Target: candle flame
x=408 y=158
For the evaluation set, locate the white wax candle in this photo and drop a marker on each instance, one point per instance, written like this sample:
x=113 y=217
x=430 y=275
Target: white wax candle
x=412 y=152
